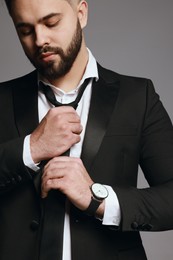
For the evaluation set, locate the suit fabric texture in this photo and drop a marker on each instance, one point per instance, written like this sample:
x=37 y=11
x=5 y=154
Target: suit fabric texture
x=127 y=127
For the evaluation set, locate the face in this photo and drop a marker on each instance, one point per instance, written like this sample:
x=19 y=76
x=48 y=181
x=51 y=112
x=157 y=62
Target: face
x=50 y=33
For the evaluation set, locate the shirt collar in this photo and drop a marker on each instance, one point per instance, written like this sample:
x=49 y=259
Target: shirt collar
x=91 y=68
x=90 y=72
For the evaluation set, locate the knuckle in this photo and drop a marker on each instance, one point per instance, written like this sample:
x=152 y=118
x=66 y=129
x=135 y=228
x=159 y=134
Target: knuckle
x=69 y=138
x=76 y=162
x=59 y=117
x=77 y=117
x=64 y=128
x=77 y=128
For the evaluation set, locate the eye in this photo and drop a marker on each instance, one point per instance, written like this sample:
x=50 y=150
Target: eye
x=25 y=30
x=52 y=22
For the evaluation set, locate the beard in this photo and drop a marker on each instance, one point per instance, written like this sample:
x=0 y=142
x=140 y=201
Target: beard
x=52 y=70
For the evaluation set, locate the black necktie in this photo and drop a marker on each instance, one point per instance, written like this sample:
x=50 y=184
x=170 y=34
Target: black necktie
x=52 y=99
x=54 y=205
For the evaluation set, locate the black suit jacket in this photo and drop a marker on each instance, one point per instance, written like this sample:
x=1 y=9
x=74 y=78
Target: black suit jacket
x=127 y=127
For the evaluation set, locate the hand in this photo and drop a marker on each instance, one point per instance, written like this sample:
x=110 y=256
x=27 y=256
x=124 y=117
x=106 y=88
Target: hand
x=69 y=176
x=57 y=132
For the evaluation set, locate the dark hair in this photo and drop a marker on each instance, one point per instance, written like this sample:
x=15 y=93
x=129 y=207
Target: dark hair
x=8 y=4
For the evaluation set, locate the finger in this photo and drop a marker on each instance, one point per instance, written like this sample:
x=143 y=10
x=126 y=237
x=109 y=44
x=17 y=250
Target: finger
x=68 y=117
x=54 y=171
x=76 y=128
x=51 y=184
x=60 y=163
x=65 y=109
x=45 y=188
x=65 y=159
x=73 y=118
x=65 y=112
x=62 y=166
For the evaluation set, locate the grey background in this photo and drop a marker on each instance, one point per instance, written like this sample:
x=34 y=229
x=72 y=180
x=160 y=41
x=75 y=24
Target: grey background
x=132 y=37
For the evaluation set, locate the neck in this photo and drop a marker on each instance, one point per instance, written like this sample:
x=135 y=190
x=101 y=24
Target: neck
x=73 y=77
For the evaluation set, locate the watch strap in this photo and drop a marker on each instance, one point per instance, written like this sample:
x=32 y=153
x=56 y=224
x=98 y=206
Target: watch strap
x=93 y=206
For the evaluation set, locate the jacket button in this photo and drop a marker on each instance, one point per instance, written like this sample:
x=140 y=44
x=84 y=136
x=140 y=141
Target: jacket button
x=135 y=226
x=13 y=181
x=34 y=225
x=146 y=227
x=19 y=178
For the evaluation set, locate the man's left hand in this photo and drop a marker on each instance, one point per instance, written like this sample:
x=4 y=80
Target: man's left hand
x=69 y=176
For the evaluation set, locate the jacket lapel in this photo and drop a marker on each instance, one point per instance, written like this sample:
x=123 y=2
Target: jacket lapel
x=25 y=96
x=103 y=100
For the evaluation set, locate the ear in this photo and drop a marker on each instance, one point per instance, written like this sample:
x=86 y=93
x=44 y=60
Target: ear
x=82 y=10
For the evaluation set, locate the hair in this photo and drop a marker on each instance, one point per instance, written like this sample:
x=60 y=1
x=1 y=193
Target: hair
x=8 y=3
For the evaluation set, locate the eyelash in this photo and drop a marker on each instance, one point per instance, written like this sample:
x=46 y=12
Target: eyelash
x=52 y=24
x=29 y=32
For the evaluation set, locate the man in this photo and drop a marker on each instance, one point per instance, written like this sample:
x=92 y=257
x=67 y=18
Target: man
x=55 y=206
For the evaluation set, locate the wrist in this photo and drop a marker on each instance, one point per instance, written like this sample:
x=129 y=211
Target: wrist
x=100 y=211
x=97 y=205
x=36 y=150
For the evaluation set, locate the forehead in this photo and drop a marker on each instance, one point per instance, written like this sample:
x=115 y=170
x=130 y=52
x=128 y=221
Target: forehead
x=36 y=9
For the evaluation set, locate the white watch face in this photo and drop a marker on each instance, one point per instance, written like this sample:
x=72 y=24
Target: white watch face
x=99 y=191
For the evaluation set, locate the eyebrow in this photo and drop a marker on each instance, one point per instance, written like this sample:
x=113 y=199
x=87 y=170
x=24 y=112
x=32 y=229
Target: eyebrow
x=23 y=24
x=50 y=16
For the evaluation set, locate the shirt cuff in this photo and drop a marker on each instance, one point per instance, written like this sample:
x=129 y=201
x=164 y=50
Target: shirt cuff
x=112 y=213
x=27 y=158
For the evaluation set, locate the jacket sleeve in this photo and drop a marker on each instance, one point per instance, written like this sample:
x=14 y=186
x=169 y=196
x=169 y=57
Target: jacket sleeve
x=12 y=169
x=151 y=208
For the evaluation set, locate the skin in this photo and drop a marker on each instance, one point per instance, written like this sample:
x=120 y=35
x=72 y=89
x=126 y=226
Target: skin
x=38 y=24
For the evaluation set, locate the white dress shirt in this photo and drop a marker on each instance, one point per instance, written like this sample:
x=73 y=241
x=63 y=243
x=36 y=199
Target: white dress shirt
x=112 y=214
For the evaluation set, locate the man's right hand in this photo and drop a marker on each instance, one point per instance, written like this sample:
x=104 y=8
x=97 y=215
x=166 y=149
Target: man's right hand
x=56 y=133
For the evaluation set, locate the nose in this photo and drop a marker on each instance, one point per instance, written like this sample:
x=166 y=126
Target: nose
x=41 y=36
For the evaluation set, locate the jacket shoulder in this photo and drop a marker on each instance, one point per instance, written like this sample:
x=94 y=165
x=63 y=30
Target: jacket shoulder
x=111 y=76
x=19 y=81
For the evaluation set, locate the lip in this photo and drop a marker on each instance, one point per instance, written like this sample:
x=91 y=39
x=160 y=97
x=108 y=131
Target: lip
x=47 y=56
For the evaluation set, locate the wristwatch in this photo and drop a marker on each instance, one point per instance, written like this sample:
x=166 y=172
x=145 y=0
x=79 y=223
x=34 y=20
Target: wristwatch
x=99 y=193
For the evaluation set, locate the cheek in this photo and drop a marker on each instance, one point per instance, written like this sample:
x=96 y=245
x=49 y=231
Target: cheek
x=61 y=39
x=66 y=32
x=28 y=47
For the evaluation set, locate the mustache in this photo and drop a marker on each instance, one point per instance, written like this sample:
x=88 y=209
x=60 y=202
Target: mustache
x=45 y=49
